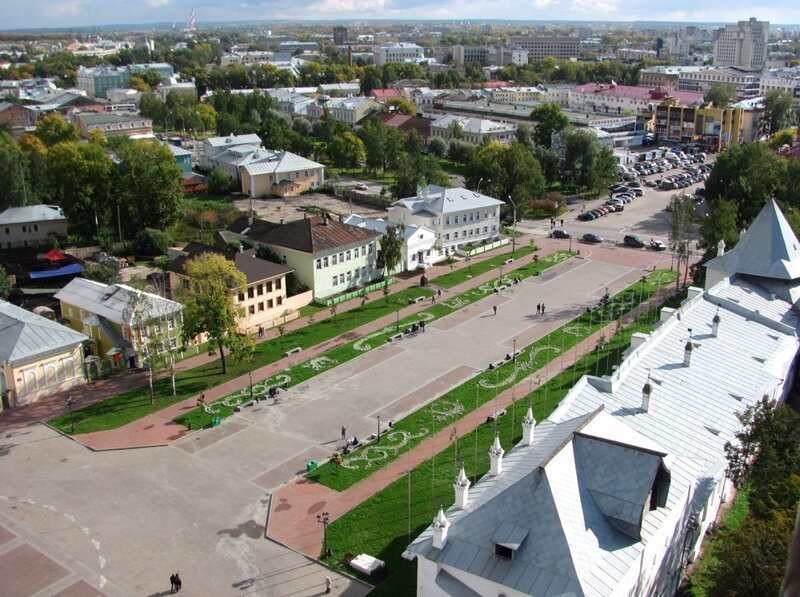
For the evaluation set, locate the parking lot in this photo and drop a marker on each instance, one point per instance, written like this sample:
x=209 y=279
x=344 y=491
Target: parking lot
x=644 y=216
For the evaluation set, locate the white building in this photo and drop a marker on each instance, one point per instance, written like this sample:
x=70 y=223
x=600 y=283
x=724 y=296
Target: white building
x=613 y=493
x=744 y=44
x=473 y=130
x=787 y=80
x=352 y=110
x=214 y=149
x=397 y=52
x=419 y=243
x=253 y=57
x=458 y=216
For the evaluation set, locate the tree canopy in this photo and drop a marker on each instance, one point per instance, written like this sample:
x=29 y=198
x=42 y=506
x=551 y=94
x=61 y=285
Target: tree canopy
x=720 y=94
x=549 y=119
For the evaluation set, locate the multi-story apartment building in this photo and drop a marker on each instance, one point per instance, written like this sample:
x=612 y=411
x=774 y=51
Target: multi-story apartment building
x=561 y=48
x=113 y=125
x=457 y=216
x=714 y=128
x=787 y=80
x=304 y=46
x=339 y=35
x=744 y=44
x=397 y=52
x=473 y=130
x=252 y=57
x=635 y=54
x=96 y=81
x=31 y=225
x=472 y=54
x=517 y=95
x=619 y=99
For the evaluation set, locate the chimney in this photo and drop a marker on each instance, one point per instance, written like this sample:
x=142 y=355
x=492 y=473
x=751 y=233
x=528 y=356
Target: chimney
x=637 y=339
x=647 y=389
x=324 y=218
x=687 y=350
x=720 y=248
x=440 y=526
x=461 y=485
x=241 y=248
x=496 y=455
x=715 y=324
x=528 y=425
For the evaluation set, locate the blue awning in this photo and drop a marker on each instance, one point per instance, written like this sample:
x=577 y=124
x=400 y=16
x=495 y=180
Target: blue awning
x=72 y=269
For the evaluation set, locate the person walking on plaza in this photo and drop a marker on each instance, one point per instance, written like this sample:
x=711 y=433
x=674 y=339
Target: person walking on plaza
x=542 y=308
x=538 y=308
x=344 y=432
x=439 y=293
x=328 y=584
x=171 y=583
x=495 y=309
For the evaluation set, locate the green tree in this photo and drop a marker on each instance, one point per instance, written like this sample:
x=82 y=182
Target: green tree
x=549 y=119
x=587 y=162
x=5 y=285
x=13 y=173
x=54 y=129
x=150 y=186
x=105 y=273
x=680 y=232
x=138 y=83
x=506 y=171
x=720 y=94
x=437 y=147
x=152 y=242
x=346 y=151
x=82 y=178
x=402 y=106
x=781 y=138
x=219 y=182
x=209 y=304
x=719 y=224
x=778 y=111
x=391 y=248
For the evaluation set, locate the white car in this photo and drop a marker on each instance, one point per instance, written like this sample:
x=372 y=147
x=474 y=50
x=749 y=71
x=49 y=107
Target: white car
x=362 y=187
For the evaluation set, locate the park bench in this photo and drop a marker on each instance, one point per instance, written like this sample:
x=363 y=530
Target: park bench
x=292 y=351
x=508 y=261
x=395 y=337
x=495 y=415
x=415 y=299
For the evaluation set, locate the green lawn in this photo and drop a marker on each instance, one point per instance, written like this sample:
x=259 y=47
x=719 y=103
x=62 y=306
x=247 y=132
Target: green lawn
x=482 y=388
x=464 y=273
x=302 y=372
x=387 y=522
x=450 y=167
x=362 y=173
x=130 y=406
x=701 y=582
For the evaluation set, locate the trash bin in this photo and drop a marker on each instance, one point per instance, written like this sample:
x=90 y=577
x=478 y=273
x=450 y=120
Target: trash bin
x=311 y=465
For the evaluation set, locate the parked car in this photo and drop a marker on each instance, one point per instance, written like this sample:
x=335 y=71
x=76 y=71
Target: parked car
x=591 y=237
x=559 y=233
x=634 y=185
x=657 y=245
x=633 y=241
x=638 y=193
x=362 y=186
x=616 y=207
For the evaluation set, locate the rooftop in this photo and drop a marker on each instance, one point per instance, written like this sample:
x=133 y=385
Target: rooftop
x=25 y=335
x=439 y=200
x=32 y=213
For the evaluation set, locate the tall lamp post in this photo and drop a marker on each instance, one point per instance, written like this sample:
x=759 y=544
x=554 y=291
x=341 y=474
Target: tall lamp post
x=379 y=429
x=69 y=401
x=324 y=519
x=513 y=227
x=478 y=187
x=250 y=374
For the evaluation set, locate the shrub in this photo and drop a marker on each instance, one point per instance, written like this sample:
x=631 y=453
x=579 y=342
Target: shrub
x=152 y=242
x=219 y=182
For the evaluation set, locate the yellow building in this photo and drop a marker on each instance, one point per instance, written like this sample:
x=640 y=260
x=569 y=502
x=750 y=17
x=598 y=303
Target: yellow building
x=713 y=128
x=38 y=357
x=283 y=174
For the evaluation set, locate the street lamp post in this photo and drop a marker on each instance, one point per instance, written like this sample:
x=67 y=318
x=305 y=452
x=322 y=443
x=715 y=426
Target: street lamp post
x=324 y=519
x=513 y=227
x=514 y=354
x=379 y=429
x=69 y=401
x=250 y=375
x=478 y=187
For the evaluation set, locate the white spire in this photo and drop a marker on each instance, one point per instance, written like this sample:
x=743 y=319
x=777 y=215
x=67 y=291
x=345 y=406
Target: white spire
x=528 y=425
x=687 y=351
x=440 y=526
x=461 y=485
x=715 y=324
x=496 y=455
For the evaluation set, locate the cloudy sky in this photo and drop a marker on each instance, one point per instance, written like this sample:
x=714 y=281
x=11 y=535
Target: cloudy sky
x=76 y=13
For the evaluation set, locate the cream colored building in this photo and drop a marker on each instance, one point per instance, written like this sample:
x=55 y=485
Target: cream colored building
x=352 y=110
x=516 y=95
x=31 y=225
x=38 y=357
x=282 y=174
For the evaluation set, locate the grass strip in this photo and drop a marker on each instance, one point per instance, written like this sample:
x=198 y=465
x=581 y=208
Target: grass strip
x=224 y=407
x=472 y=270
x=440 y=413
x=384 y=524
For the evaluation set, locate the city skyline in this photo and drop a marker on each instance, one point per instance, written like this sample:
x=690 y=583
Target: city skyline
x=57 y=14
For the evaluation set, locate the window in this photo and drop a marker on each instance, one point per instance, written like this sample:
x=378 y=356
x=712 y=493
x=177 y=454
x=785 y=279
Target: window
x=455 y=220
x=325 y=260
x=348 y=254
x=8 y=230
x=269 y=286
x=333 y=260
x=156 y=328
x=447 y=236
x=280 y=300
x=261 y=306
x=485 y=229
x=335 y=281
x=447 y=221
x=24 y=228
x=341 y=257
x=349 y=276
x=371 y=248
x=36 y=227
x=260 y=289
x=278 y=284
x=363 y=250
x=455 y=234
x=270 y=304
x=341 y=278
x=173 y=343
x=185 y=283
x=251 y=292
x=251 y=309
x=364 y=272
x=471 y=217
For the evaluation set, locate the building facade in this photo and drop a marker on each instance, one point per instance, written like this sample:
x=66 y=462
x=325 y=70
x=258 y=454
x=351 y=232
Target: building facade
x=457 y=216
x=419 y=250
x=619 y=99
x=472 y=130
x=113 y=125
x=98 y=80
x=352 y=110
x=560 y=48
x=745 y=44
x=397 y=52
x=714 y=128
x=281 y=174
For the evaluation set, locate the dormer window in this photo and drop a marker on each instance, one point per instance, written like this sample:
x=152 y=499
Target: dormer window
x=503 y=551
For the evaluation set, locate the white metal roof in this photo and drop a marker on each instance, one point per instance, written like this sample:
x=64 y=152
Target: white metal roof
x=31 y=213
x=439 y=200
x=230 y=140
x=25 y=335
x=279 y=162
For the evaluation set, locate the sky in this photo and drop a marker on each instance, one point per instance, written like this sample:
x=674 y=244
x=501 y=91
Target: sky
x=80 y=13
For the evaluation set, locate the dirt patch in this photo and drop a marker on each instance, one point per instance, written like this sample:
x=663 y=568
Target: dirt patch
x=293 y=208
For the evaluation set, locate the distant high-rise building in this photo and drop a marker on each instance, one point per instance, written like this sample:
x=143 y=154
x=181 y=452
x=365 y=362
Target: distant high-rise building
x=340 y=35
x=743 y=44
x=562 y=48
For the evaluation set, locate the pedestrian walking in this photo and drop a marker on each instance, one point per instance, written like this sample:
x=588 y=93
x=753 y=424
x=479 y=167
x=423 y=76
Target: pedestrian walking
x=433 y=300
x=344 y=432
x=178 y=583
x=562 y=222
x=328 y=584
x=439 y=292
x=538 y=308
x=171 y=583
x=542 y=308
x=495 y=309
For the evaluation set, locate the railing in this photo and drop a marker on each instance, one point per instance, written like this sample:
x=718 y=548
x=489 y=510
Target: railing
x=357 y=292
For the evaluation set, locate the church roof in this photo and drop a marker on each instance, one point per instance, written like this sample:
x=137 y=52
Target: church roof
x=768 y=249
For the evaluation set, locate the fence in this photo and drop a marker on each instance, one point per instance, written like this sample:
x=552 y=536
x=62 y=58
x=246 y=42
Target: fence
x=329 y=302
x=363 y=198
x=471 y=252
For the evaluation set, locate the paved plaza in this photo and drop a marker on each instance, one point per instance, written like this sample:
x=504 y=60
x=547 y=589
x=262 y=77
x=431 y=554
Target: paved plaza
x=119 y=522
